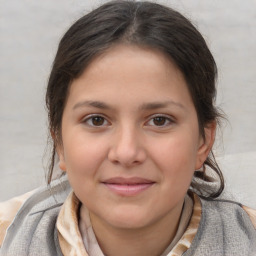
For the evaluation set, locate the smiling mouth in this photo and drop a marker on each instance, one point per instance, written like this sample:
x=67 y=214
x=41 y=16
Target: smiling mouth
x=128 y=186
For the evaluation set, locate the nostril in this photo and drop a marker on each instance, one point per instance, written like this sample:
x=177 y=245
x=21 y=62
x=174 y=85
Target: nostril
x=115 y=162
x=127 y=160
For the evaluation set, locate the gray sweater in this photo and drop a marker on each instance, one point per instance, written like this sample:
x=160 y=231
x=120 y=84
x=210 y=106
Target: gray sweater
x=225 y=229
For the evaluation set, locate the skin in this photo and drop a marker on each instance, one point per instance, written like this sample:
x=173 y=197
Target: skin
x=132 y=134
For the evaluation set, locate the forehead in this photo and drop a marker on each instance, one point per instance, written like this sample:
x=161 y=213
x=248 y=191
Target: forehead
x=130 y=73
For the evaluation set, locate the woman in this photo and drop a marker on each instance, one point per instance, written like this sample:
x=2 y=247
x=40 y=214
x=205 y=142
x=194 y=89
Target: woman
x=131 y=113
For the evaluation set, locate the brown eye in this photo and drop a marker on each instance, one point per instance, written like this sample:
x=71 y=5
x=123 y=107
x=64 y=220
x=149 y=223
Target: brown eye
x=96 y=121
x=159 y=120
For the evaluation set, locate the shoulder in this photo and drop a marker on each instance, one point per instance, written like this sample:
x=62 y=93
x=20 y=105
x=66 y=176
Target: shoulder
x=229 y=209
x=224 y=226
x=27 y=211
x=8 y=211
x=251 y=213
x=231 y=218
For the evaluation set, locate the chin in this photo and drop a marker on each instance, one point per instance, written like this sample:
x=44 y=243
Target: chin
x=128 y=224
x=129 y=219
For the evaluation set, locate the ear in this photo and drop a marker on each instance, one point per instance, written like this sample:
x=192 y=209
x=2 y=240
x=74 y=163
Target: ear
x=62 y=163
x=59 y=149
x=205 y=145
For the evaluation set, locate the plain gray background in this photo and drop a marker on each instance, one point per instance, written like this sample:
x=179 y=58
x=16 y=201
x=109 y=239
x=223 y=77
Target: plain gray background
x=29 y=34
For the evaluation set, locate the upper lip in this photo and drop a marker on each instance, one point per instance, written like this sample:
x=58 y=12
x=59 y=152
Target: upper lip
x=128 y=181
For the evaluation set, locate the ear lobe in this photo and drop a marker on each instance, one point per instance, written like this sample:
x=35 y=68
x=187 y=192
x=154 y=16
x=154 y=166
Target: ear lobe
x=62 y=163
x=206 y=144
x=59 y=150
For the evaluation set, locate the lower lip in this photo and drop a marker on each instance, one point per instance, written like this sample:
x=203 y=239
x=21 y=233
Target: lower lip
x=128 y=190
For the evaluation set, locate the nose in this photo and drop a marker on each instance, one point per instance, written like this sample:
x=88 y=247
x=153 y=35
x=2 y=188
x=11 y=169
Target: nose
x=127 y=148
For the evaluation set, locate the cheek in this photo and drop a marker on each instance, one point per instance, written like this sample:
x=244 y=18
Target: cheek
x=176 y=151
x=176 y=158
x=83 y=155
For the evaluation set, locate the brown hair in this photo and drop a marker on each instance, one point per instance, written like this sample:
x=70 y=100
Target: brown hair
x=144 y=24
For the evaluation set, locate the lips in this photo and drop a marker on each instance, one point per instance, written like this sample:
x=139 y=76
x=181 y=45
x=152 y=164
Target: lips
x=128 y=186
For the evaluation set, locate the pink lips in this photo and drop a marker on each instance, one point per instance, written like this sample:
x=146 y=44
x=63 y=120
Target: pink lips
x=128 y=186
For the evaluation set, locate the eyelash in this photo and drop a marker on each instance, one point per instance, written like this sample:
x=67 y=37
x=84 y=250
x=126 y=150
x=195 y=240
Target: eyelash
x=167 y=121
x=89 y=119
x=165 y=118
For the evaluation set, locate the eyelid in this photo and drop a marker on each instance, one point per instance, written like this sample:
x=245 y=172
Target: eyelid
x=168 y=117
x=90 y=116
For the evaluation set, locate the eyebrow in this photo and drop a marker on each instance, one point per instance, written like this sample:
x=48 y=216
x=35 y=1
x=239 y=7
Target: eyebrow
x=144 y=106
x=90 y=103
x=156 y=105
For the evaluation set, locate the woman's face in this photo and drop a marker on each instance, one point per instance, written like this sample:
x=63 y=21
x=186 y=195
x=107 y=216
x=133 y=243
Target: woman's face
x=130 y=138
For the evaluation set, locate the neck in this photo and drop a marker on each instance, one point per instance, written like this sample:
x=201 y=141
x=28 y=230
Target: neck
x=150 y=240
